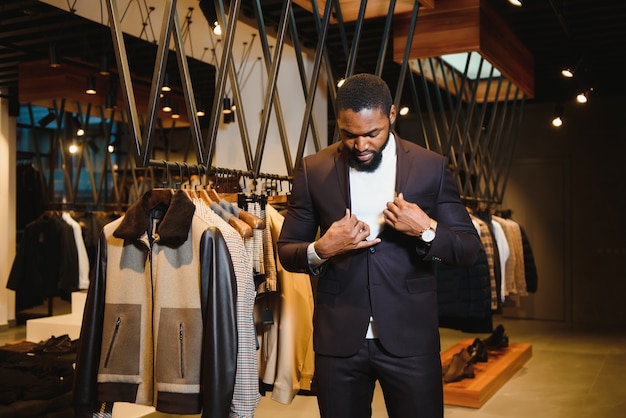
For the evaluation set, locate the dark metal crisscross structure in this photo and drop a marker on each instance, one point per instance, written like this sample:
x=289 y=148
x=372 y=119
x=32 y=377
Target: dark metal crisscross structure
x=476 y=133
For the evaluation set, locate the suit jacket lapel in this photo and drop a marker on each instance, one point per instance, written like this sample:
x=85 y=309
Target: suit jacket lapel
x=341 y=171
x=403 y=165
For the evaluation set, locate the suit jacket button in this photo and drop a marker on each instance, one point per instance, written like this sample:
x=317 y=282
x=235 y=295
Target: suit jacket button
x=372 y=250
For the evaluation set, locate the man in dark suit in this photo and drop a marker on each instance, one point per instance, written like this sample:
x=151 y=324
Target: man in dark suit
x=369 y=216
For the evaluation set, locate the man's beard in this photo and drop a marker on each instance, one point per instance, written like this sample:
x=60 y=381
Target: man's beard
x=370 y=166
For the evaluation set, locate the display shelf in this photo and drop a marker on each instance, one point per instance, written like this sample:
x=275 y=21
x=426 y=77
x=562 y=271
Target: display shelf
x=489 y=376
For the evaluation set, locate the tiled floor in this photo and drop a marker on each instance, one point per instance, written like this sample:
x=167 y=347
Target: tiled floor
x=573 y=373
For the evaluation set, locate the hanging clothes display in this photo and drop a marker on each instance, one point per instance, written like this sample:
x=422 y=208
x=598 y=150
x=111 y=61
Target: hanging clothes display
x=31 y=194
x=246 y=391
x=503 y=272
x=530 y=269
x=488 y=243
x=284 y=318
x=81 y=251
x=514 y=279
x=464 y=296
x=166 y=314
x=46 y=262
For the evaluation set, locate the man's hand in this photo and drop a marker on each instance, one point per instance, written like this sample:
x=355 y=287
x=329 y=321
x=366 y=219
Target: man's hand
x=345 y=234
x=406 y=217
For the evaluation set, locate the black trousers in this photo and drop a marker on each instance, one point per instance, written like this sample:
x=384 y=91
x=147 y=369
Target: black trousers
x=412 y=386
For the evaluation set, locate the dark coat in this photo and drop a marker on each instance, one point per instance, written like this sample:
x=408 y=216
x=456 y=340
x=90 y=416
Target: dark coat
x=46 y=262
x=394 y=280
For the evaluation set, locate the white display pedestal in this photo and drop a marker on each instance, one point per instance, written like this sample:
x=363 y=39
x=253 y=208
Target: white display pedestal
x=40 y=329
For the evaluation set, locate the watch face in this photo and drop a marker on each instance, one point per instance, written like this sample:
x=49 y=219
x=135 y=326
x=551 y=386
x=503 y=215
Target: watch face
x=428 y=235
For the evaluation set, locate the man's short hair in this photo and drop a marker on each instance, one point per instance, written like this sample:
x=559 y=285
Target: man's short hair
x=364 y=91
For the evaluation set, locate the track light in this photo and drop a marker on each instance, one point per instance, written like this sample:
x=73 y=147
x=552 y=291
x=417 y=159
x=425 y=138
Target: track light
x=557 y=121
x=217 y=29
x=583 y=96
x=175 y=112
x=91 y=85
x=80 y=131
x=73 y=149
x=45 y=121
x=340 y=82
x=567 y=72
x=53 y=58
x=200 y=109
x=208 y=8
x=167 y=107
x=226 y=109
x=517 y=3
x=166 y=83
x=404 y=110
x=104 y=65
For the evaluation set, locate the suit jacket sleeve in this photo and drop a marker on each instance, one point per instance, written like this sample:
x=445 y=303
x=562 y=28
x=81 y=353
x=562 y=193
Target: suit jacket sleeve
x=457 y=242
x=300 y=226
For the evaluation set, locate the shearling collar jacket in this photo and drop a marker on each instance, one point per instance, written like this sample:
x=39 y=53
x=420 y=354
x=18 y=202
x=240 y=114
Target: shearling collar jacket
x=159 y=324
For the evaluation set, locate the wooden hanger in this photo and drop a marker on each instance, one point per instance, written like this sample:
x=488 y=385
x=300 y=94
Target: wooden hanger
x=252 y=220
x=238 y=225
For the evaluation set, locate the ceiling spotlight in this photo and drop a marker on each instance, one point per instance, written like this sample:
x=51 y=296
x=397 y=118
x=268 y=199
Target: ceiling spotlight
x=567 y=72
x=167 y=107
x=227 y=108
x=217 y=29
x=166 y=83
x=104 y=65
x=53 y=58
x=557 y=121
x=340 y=82
x=80 y=131
x=517 y=3
x=200 y=110
x=404 y=110
x=91 y=85
x=175 y=112
x=111 y=148
x=582 y=98
x=73 y=149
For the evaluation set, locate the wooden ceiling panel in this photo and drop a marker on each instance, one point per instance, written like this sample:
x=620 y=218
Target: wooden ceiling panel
x=456 y=26
x=374 y=9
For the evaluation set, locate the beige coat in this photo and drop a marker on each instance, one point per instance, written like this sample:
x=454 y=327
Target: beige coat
x=286 y=358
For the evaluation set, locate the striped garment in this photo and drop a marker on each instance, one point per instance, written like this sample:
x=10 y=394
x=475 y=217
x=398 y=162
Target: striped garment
x=246 y=396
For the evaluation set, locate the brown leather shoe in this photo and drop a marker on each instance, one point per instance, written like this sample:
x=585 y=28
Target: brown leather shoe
x=461 y=366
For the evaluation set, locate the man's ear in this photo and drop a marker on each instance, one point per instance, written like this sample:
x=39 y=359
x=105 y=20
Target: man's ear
x=392 y=114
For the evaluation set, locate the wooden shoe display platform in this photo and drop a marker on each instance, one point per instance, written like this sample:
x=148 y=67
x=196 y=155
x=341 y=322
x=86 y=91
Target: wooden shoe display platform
x=489 y=377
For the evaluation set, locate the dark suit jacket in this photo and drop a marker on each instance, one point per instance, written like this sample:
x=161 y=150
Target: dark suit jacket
x=394 y=280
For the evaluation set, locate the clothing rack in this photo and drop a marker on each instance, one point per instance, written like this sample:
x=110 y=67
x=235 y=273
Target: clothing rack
x=86 y=206
x=223 y=177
